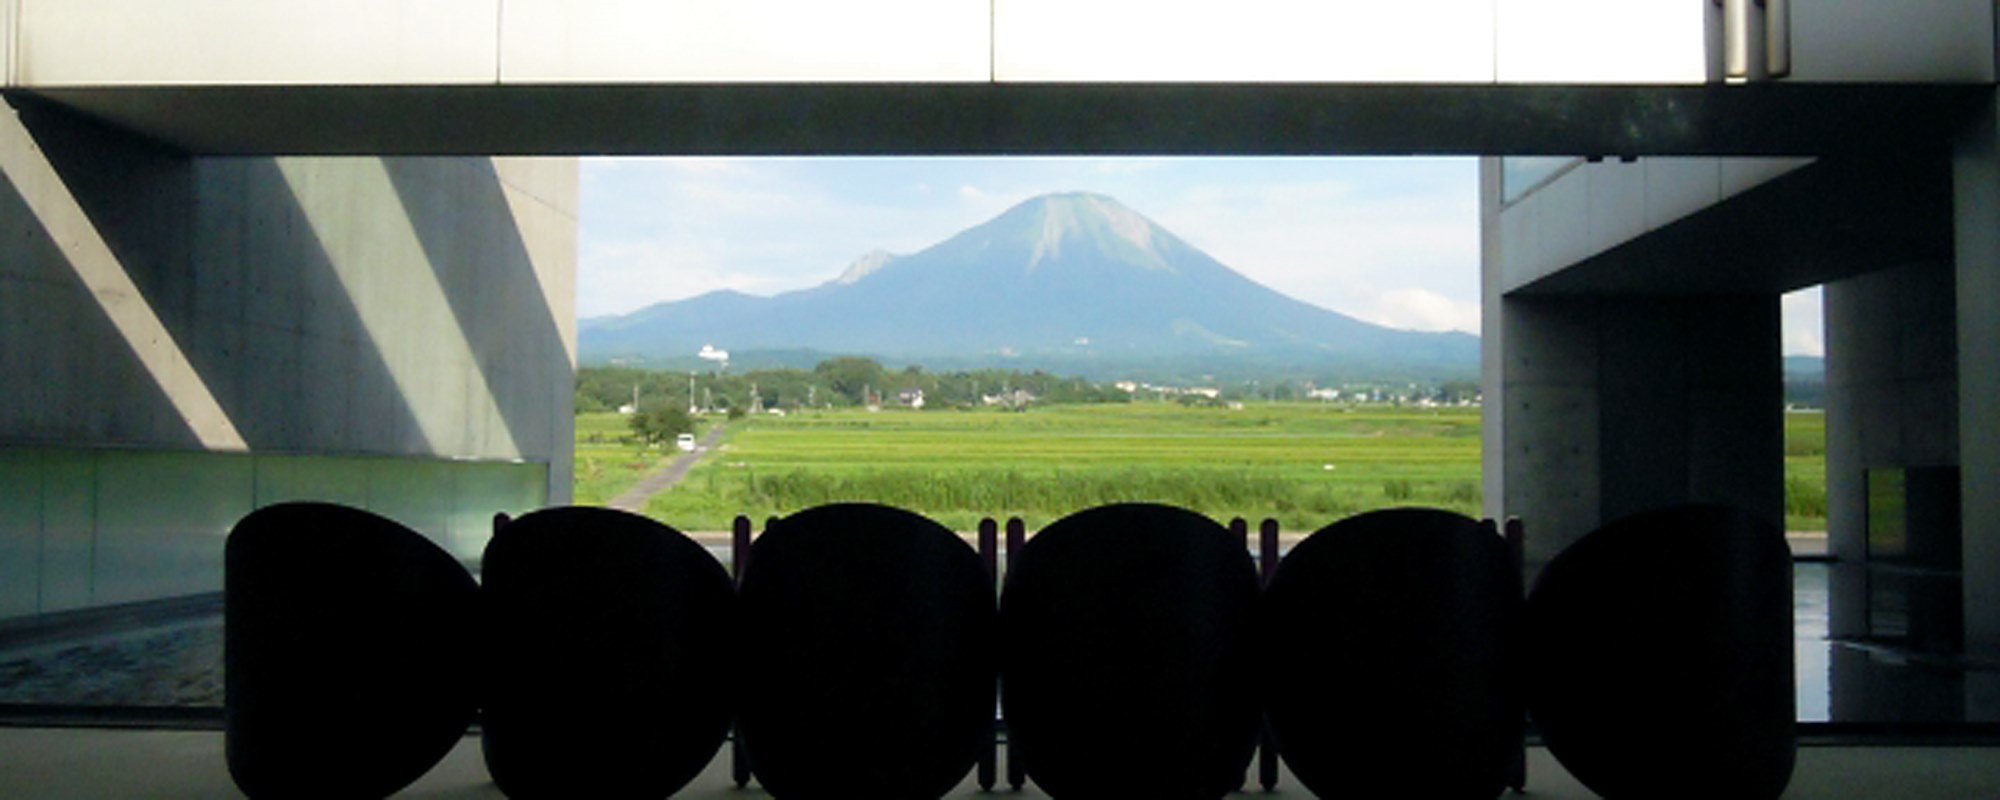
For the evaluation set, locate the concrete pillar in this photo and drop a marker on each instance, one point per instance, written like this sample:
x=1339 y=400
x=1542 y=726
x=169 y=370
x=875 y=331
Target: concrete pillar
x=1976 y=203
x=1892 y=404
x=1549 y=457
x=1620 y=404
x=1492 y=350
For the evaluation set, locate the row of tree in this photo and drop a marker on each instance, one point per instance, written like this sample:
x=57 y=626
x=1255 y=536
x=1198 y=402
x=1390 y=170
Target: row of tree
x=842 y=381
x=855 y=381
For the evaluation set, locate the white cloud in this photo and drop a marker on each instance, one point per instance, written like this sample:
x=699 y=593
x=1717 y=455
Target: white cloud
x=970 y=192
x=1804 y=323
x=1422 y=310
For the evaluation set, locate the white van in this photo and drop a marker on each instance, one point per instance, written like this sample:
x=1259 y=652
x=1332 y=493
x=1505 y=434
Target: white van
x=685 y=442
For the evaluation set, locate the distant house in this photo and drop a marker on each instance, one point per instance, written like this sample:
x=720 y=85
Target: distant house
x=912 y=398
x=1013 y=399
x=1324 y=394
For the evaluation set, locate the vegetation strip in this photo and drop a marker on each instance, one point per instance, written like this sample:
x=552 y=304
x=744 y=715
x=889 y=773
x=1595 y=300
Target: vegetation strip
x=1305 y=464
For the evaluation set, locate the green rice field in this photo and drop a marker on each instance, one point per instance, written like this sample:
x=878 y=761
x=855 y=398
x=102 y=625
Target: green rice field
x=1301 y=463
x=1805 y=471
x=609 y=458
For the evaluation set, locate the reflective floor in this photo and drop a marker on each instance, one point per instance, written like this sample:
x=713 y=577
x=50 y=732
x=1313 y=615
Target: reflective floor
x=79 y=763
x=1856 y=678
x=1812 y=652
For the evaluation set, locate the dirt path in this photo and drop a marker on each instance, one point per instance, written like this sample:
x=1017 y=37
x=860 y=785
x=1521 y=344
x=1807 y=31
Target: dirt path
x=634 y=499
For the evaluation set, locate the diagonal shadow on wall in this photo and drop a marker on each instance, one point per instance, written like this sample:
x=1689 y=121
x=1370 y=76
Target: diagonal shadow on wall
x=67 y=373
x=227 y=260
x=473 y=242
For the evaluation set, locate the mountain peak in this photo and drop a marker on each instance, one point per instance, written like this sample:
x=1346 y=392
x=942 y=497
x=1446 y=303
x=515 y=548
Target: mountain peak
x=1094 y=220
x=864 y=266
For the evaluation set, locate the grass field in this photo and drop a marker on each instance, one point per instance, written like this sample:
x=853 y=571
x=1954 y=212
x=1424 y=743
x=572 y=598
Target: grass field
x=609 y=459
x=1303 y=464
x=1805 y=471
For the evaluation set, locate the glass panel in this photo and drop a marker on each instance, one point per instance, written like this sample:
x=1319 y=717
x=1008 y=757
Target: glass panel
x=20 y=532
x=325 y=479
x=1887 y=537
x=1521 y=174
x=415 y=493
x=69 y=528
x=162 y=518
x=480 y=490
x=83 y=529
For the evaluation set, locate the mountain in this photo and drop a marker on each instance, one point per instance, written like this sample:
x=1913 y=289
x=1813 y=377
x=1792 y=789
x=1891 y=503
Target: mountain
x=1805 y=368
x=1076 y=281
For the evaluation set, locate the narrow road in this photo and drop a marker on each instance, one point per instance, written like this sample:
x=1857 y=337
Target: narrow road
x=634 y=499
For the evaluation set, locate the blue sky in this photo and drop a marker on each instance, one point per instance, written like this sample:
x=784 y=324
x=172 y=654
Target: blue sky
x=1390 y=240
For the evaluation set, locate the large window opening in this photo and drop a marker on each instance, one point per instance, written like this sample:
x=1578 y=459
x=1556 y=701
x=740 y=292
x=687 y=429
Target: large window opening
x=1283 y=338
x=967 y=338
x=1804 y=348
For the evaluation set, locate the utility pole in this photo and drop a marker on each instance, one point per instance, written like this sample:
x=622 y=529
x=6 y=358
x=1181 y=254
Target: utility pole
x=692 y=408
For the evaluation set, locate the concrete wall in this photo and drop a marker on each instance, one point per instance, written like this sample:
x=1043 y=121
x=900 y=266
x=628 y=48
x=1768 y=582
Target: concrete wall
x=1976 y=184
x=1945 y=41
x=1603 y=403
x=1614 y=405
x=1892 y=386
x=1891 y=403
x=185 y=339
x=1596 y=207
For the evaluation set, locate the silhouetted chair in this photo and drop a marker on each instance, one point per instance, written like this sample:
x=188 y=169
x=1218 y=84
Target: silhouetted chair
x=608 y=655
x=348 y=653
x=1391 y=654
x=868 y=655
x=1661 y=656
x=1128 y=655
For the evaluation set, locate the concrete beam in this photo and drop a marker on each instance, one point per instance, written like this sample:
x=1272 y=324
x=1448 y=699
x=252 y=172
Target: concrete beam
x=1833 y=219
x=1030 y=119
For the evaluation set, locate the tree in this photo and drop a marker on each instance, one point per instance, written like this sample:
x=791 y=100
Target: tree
x=660 y=422
x=849 y=376
x=1457 y=391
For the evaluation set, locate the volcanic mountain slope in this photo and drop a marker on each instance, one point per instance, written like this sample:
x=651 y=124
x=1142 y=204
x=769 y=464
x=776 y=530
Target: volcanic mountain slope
x=1069 y=277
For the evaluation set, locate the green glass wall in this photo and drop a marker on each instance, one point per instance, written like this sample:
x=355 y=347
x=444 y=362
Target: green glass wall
x=81 y=528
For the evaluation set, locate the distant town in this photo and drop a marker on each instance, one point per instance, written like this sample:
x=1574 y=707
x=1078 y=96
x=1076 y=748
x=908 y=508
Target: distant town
x=854 y=381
